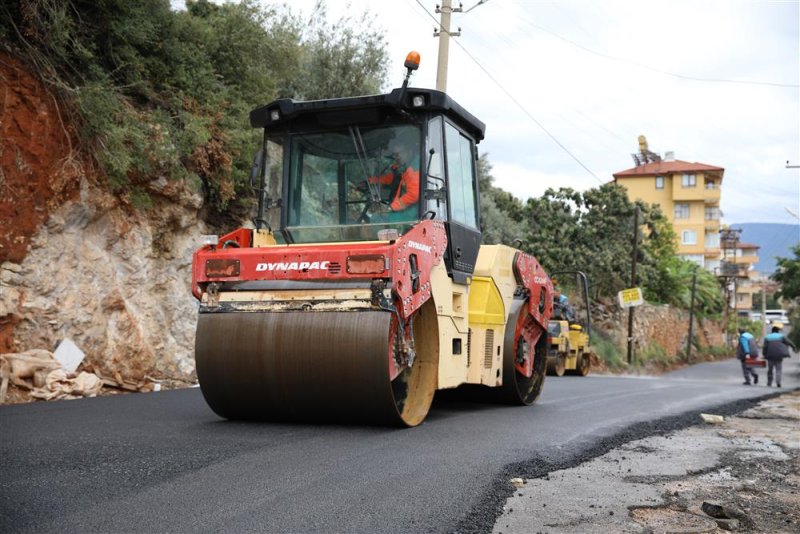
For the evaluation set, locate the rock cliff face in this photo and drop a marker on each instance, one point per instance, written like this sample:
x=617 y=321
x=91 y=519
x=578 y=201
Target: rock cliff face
x=80 y=263
x=117 y=284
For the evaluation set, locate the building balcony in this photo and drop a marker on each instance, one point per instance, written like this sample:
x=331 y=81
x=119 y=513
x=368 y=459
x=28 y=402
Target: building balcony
x=746 y=287
x=687 y=194
x=745 y=260
x=711 y=252
x=712 y=225
x=712 y=196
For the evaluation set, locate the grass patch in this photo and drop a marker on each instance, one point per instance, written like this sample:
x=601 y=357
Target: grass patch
x=607 y=351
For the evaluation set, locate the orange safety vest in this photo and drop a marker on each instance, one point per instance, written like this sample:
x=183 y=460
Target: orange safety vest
x=407 y=193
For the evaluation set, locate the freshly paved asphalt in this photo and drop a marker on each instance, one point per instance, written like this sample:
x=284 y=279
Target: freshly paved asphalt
x=164 y=462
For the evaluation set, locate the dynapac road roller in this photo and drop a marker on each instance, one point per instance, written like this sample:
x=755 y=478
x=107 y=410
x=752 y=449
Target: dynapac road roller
x=363 y=287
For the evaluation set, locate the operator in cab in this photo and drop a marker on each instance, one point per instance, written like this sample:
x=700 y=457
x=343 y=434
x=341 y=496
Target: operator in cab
x=400 y=186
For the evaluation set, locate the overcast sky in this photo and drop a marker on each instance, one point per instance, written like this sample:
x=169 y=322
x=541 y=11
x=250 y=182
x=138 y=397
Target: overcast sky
x=598 y=73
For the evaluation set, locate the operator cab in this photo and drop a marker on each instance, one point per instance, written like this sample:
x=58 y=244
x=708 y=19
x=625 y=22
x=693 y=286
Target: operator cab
x=369 y=168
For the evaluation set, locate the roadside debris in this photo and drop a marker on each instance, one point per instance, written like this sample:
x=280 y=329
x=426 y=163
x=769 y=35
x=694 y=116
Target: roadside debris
x=69 y=355
x=25 y=369
x=517 y=482
x=117 y=381
x=712 y=419
x=40 y=372
x=62 y=385
x=45 y=375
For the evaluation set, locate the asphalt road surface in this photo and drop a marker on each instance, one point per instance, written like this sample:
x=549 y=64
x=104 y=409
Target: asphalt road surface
x=164 y=462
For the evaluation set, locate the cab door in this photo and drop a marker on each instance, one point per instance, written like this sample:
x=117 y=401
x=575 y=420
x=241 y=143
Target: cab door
x=463 y=234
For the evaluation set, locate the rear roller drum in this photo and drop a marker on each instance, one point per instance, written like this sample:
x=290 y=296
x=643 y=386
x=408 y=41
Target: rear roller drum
x=584 y=364
x=556 y=365
x=524 y=357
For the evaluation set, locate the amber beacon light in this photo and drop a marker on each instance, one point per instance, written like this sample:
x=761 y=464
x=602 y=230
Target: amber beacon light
x=412 y=60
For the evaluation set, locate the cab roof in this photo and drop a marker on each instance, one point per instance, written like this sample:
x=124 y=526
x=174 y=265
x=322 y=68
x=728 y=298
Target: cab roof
x=293 y=115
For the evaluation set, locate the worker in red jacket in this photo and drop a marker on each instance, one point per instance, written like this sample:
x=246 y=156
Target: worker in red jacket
x=401 y=183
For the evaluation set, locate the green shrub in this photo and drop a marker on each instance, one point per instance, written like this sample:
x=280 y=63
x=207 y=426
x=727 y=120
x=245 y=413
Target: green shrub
x=655 y=354
x=161 y=93
x=607 y=351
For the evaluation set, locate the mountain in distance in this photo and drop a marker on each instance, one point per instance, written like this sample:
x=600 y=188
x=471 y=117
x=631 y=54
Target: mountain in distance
x=775 y=240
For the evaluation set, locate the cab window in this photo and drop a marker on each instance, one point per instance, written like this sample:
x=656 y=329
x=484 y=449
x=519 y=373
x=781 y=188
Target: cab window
x=461 y=177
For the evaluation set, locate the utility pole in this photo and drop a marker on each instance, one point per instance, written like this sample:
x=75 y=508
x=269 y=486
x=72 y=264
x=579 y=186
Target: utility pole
x=729 y=238
x=444 y=34
x=691 y=316
x=633 y=281
x=763 y=310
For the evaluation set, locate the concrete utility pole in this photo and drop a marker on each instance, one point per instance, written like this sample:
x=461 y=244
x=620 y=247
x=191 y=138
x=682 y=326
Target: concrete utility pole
x=691 y=316
x=444 y=35
x=763 y=310
x=634 y=253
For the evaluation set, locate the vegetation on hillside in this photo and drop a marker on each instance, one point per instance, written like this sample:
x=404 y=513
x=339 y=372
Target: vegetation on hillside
x=788 y=276
x=163 y=93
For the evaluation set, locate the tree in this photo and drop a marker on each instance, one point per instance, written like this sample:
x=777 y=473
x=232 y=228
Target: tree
x=339 y=59
x=500 y=210
x=788 y=275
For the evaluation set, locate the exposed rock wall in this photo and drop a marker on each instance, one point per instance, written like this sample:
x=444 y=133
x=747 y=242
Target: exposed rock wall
x=117 y=283
x=661 y=325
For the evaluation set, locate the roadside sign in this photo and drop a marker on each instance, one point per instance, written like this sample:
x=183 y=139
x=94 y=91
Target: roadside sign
x=630 y=297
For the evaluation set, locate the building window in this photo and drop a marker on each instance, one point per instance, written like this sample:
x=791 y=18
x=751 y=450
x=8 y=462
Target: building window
x=689 y=180
x=712 y=213
x=688 y=237
x=659 y=182
x=712 y=240
x=711 y=184
x=681 y=211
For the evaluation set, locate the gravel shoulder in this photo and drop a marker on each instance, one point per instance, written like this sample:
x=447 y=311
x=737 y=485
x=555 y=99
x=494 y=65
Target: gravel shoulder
x=746 y=469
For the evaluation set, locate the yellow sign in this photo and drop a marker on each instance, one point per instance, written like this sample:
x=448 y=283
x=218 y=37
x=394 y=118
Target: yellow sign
x=630 y=297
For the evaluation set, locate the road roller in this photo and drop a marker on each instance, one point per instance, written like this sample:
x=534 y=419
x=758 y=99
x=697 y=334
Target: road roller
x=361 y=287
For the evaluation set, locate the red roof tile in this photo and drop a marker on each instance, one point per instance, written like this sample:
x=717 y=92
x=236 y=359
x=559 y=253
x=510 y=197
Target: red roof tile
x=667 y=167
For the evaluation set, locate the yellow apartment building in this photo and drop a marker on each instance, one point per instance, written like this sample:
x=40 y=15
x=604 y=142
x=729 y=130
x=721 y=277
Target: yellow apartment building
x=689 y=195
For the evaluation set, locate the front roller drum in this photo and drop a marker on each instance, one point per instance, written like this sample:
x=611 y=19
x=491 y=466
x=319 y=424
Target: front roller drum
x=310 y=366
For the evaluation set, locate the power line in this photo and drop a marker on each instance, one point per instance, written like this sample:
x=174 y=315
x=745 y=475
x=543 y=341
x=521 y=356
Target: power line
x=654 y=69
x=515 y=101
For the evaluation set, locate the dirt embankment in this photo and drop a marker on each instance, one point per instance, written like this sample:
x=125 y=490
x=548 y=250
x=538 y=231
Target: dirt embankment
x=76 y=261
x=39 y=167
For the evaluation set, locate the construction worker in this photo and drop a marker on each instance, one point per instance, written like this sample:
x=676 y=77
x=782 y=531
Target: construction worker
x=562 y=309
x=402 y=180
x=747 y=348
x=776 y=348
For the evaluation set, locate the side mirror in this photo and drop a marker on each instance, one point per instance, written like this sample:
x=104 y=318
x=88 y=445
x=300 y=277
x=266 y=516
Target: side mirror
x=255 y=170
x=435 y=166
